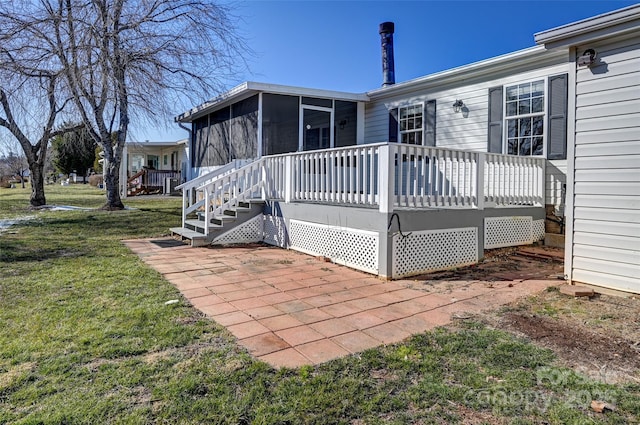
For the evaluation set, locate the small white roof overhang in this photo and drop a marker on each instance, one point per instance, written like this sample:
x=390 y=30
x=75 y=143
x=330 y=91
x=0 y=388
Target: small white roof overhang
x=249 y=88
x=156 y=144
x=617 y=22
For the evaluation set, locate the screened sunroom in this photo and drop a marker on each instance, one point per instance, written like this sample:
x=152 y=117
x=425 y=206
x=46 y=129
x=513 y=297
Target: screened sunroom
x=254 y=119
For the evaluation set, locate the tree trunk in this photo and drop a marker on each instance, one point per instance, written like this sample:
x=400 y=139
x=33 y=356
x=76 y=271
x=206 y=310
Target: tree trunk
x=111 y=184
x=37 y=185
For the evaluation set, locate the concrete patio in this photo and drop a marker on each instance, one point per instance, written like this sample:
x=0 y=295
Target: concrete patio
x=290 y=309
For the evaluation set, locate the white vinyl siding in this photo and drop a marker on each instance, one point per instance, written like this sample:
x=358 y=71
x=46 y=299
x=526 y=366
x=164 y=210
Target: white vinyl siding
x=606 y=213
x=376 y=119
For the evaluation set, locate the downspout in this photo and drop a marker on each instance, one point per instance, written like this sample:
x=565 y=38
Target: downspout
x=190 y=138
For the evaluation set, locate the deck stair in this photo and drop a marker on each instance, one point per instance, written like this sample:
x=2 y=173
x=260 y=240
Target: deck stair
x=219 y=201
x=194 y=229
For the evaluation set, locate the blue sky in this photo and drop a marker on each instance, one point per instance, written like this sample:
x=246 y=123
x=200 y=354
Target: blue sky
x=335 y=44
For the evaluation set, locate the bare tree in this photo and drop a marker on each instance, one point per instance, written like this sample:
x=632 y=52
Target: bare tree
x=119 y=61
x=127 y=60
x=30 y=78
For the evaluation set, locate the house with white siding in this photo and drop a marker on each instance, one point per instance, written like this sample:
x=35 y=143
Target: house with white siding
x=426 y=174
x=153 y=166
x=603 y=150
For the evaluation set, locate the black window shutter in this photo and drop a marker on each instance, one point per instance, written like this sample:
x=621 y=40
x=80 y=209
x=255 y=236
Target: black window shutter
x=557 y=117
x=495 y=120
x=393 y=126
x=430 y=123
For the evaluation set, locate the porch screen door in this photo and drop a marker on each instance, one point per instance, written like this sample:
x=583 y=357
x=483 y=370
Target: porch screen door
x=317 y=128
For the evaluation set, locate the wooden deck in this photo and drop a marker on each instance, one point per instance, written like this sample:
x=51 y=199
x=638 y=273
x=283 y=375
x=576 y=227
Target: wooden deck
x=387 y=209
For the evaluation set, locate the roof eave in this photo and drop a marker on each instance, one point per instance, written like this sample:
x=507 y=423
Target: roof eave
x=250 y=87
x=503 y=62
x=201 y=109
x=606 y=24
x=154 y=144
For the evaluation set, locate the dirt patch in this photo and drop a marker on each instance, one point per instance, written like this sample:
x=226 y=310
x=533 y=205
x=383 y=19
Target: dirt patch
x=514 y=263
x=597 y=336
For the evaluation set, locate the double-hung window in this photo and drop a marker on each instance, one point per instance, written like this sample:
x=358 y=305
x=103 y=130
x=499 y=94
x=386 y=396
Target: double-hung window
x=524 y=118
x=410 y=120
x=529 y=118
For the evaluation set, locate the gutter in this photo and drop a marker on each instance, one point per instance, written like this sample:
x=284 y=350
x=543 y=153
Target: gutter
x=589 y=25
x=531 y=55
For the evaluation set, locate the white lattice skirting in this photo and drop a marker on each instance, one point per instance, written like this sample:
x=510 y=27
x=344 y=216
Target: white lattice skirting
x=275 y=231
x=351 y=247
x=511 y=231
x=247 y=232
x=537 y=230
x=431 y=250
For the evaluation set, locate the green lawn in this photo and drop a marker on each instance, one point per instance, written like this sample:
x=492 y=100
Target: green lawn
x=86 y=338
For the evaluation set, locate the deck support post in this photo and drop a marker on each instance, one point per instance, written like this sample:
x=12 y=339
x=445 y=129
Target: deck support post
x=184 y=206
x=264 y=181
x=288 y=178
x=207 y=211
x=542 y=163
x=480 y=161
x=386 y=177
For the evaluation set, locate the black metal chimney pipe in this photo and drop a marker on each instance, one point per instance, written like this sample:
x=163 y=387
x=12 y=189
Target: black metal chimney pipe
x=386 y=40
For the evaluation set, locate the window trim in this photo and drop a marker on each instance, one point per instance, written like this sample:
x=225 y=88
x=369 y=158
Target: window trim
x=544 y=115
x=422 y=122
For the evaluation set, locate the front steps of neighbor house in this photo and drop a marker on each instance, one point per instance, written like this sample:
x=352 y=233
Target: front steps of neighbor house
x=194 y=228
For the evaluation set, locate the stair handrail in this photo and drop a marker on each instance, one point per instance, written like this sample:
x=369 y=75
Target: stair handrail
x=190 y=189
x=136 y=181
x=136 y=175
x=228 y=190
x=227 y=168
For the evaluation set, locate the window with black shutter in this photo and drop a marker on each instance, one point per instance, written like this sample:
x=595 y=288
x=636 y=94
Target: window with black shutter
x=430 y=123
x=557 y=117
x=494 y=138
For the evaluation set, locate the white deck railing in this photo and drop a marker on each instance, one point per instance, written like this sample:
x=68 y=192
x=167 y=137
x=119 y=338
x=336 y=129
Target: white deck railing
x=383 y=176
x=513 y=180
x=193 y=195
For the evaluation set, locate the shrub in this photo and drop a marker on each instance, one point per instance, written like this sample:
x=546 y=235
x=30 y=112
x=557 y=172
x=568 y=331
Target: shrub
x=95 y=179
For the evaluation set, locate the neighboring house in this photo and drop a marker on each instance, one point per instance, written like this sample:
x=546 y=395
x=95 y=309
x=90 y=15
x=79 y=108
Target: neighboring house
x=426 y=174
x=153 y=167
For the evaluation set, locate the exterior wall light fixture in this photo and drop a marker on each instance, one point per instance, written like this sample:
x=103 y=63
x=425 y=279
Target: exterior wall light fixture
x=587 y=58
x=457 y=105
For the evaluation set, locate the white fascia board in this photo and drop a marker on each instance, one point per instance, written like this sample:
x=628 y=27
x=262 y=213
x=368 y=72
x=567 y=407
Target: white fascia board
x=164 y=143
x=218 y=101
x=591 y=28
x=249 y=88
x=308 y=92
x=520 y=58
